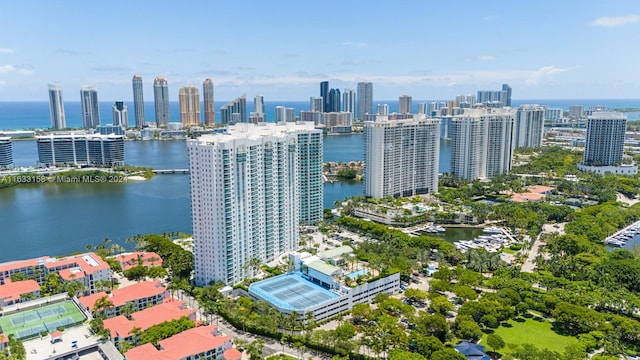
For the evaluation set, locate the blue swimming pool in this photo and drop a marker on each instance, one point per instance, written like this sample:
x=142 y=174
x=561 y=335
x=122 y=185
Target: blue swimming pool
x=360 y=272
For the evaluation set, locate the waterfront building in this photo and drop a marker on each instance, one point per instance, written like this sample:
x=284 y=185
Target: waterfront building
x=258 y=104
x=334 y=101
x=605 y=139
x=120 y=114
x=13 y=292
x=234 y=111
x=316 y=104
x=281 y=113
x=482 y=142
x=256 y=117
x=248 y=190
x=107 y=129
x=324 y=94
x=315 y=116
x=422 y=108
x=189 y=106
x=161 y=101
x=365 y=99
x=383 y=109
x=89 y=104
x=80 y=149
x=494 y=99
x=349 y=101
x=335 y=120
x=405 y=104
x=87 y=268
x=552 y=114
x=401 y=156
x=138 y=100
x=290 y=114
x=209 y=107
x=506 y=101
x=136 y=297
x=6 y=152
x=576 y=111
x=56 y=107
x=529 y=126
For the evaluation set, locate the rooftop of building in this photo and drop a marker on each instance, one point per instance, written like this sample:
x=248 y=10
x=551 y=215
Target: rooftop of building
x=608 y=115
x=11 y=291
x=323 y=268
x=335 y=252
x=78 y=136
x=88 y=262
x=180 y=346
x=256 y=131
x=126 y=294
x=232 y=354
x=120 y=326
x=291 y=291
x=129 y=260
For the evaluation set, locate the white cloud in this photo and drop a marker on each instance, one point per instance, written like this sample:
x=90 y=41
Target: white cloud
x=355 y=44
x=543 y=72
x=614 y=21
x=482 y=58
x=6 y=51
x=6 y=68
x=453 y=83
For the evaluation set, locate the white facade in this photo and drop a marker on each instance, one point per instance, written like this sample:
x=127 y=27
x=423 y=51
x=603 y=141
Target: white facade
x=56 y=107
x=529 y=126
x=89 y=104
x=401 y=156
x=258 y=103
x=383 y=109
x=245 y=194
x=365 y=99
x=405 y=104
x=349 y=102
x=120 y=114
x=316 y=104
x=482 y=143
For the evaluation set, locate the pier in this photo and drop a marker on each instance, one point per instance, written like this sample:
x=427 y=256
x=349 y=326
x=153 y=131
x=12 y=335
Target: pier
x=170 y=171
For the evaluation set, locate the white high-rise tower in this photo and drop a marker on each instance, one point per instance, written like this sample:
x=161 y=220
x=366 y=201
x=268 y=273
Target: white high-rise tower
x=56 y=107
x=89 y=104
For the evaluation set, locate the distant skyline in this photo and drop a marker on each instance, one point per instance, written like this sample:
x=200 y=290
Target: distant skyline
x=284 y=49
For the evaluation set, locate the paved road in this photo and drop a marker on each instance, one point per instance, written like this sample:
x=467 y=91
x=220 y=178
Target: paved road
x=271 y=346
x=530 y=264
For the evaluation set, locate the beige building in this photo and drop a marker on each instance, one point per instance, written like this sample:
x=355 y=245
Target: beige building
x=189 y=106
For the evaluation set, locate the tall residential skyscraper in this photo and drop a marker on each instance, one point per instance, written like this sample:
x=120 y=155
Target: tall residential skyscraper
x=383 y=109
x=507 y=94
x=401 y=156
x=247 y=191
x=324 y=93
x=138 y=100
x=56 y=107
x=605 y=139
x=161 y=100
x=89 y=104
x=6 y=153
x=334 y=101
x=422 y=108
x=234 y=111
x=281 y=113
x=317 y=104
x=529 y=126
x=365 y=99
x=349 y=101
x=120 y=114
x=258 y=104
x=189 y=106
x=405 y=104
x=209 y=107
x=482 y=145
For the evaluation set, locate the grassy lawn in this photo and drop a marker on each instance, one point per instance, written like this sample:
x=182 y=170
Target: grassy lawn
x=281 y=357
x=532 y=332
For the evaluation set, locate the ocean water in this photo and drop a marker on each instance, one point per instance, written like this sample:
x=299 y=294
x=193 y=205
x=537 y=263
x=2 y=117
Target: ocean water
x=35 y=115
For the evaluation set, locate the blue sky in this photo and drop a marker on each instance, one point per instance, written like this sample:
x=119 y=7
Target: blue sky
x=283 y=49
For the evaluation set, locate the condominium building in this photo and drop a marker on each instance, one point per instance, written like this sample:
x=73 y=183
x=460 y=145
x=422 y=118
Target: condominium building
x=258 y=104
x=576 y=111
x=401 y=156
x=250 y=189
x=314 y=116
x=405 y=104
x=383 y=109
x=529 y=126
x=257 y=117
x=138 y=100
x=90 y=109
x=120 y=114
x=507 y=94
x=189 y=106
x=234 y=111
x=324 y=94
x=552 y=114
x=56 y=107
x=161 y=101
x=482 y=145
x=605 y=139
x=334 y=101
x=6 y=152
x=365 y=99
x=80 y=149
x=316 y=104
x=349 y=102
x=138 y=296
x=209 y=107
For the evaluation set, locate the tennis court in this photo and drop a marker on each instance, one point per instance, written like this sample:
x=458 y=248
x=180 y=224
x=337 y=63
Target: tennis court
x=291 y=292
x=30 y=323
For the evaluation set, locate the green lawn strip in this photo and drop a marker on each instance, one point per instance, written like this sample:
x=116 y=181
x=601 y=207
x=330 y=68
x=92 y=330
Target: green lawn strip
x=281 y=357
x=537 y=333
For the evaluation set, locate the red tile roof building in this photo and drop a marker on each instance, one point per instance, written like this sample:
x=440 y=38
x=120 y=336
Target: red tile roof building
x=120 y=327
x=146 y=259
x=11 y=292
x=87 y=268
x=197 y=343
x=141 y=295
